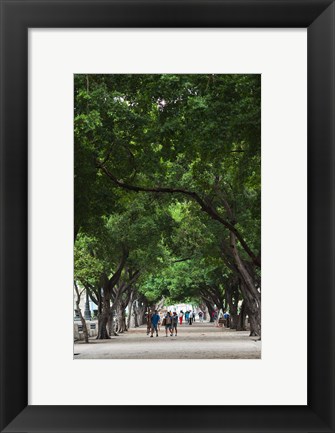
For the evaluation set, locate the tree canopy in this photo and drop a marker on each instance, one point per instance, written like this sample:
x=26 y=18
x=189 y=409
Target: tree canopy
x=168 y=189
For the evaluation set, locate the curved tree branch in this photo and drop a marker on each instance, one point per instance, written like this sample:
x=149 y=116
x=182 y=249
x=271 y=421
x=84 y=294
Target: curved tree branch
x=205 y=206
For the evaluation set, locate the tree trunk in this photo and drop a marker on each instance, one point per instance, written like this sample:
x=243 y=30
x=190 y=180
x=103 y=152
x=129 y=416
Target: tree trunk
x=103 y=320
x=203 y=308
x=82 y=319
x=232 y=301
x=210 y=309
x=255 y=319
x=233 y=319
x=110 y=323
x=120 y=318
x=140 y=312
x=159 y=304
x=136 y=314
x=253 y=309
x=114 y=312
x=113 y=320
x=241 y=318
x=130 y=322
x=130 y=313
x=250 y=293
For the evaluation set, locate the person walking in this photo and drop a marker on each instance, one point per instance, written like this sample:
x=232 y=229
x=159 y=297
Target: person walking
x=167 y=323
x=148 y=314
x=190 y=318
x=226 y=316
x=187 y=314
x=193 y=315
x=181 y=315
x=154 y=323
x=174 y=324
x=201 y=317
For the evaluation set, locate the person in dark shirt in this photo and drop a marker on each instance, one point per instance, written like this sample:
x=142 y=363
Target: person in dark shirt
x=174 y=324
x=168 y=323
x=155 y=318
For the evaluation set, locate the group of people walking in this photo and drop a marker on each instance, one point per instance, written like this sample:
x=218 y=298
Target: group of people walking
x=189 y=317
x=170 y=322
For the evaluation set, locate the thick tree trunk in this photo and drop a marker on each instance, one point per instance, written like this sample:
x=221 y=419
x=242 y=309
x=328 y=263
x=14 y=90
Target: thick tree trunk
x=124 y=320
x=121 y=319
x=159 y=304
x=82 y=319
x=136 y=314
x=115 y=312
x=102 y=327
x=83 y=322
x=210 y=309
x=113 y=320
x=140 y=311
x=110 y=323
x=232 y=301
x=130 y=314
x=131 y=308
x=241 y=318
x=103 y=320
x=250 y=293
x=233 y=319
x=253 y=309
x=203 y=308
x=255 y=319
x=234 y=313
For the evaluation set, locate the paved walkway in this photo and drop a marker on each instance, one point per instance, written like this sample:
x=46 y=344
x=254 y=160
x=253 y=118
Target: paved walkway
x=198 y=341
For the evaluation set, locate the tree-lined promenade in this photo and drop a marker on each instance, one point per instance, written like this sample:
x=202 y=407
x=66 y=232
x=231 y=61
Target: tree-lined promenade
x=167 y=195
x=199 y=341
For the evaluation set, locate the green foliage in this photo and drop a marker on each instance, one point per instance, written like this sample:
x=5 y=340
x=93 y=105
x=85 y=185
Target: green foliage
x=200 y=133
x=87 y=267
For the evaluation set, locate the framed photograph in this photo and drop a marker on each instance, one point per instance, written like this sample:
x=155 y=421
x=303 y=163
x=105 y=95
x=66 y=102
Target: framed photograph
x=148 y=133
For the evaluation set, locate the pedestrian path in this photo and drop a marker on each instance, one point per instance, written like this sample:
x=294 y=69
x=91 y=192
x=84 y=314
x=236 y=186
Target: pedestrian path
x=197 y=341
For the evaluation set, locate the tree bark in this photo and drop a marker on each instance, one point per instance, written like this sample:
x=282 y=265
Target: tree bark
x=255 y=319
x=136 y=314
x=241 y=318
x=120 y=318
x=113 y=320
x=251 y=295
x=210 y=309
x=203 y=308
x=103 y=317
x=139 y=311
x=232 y=298
x=130 y=313
x=82 y=319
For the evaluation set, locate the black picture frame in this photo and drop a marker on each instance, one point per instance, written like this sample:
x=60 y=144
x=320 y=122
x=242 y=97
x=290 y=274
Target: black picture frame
x=318 y=16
